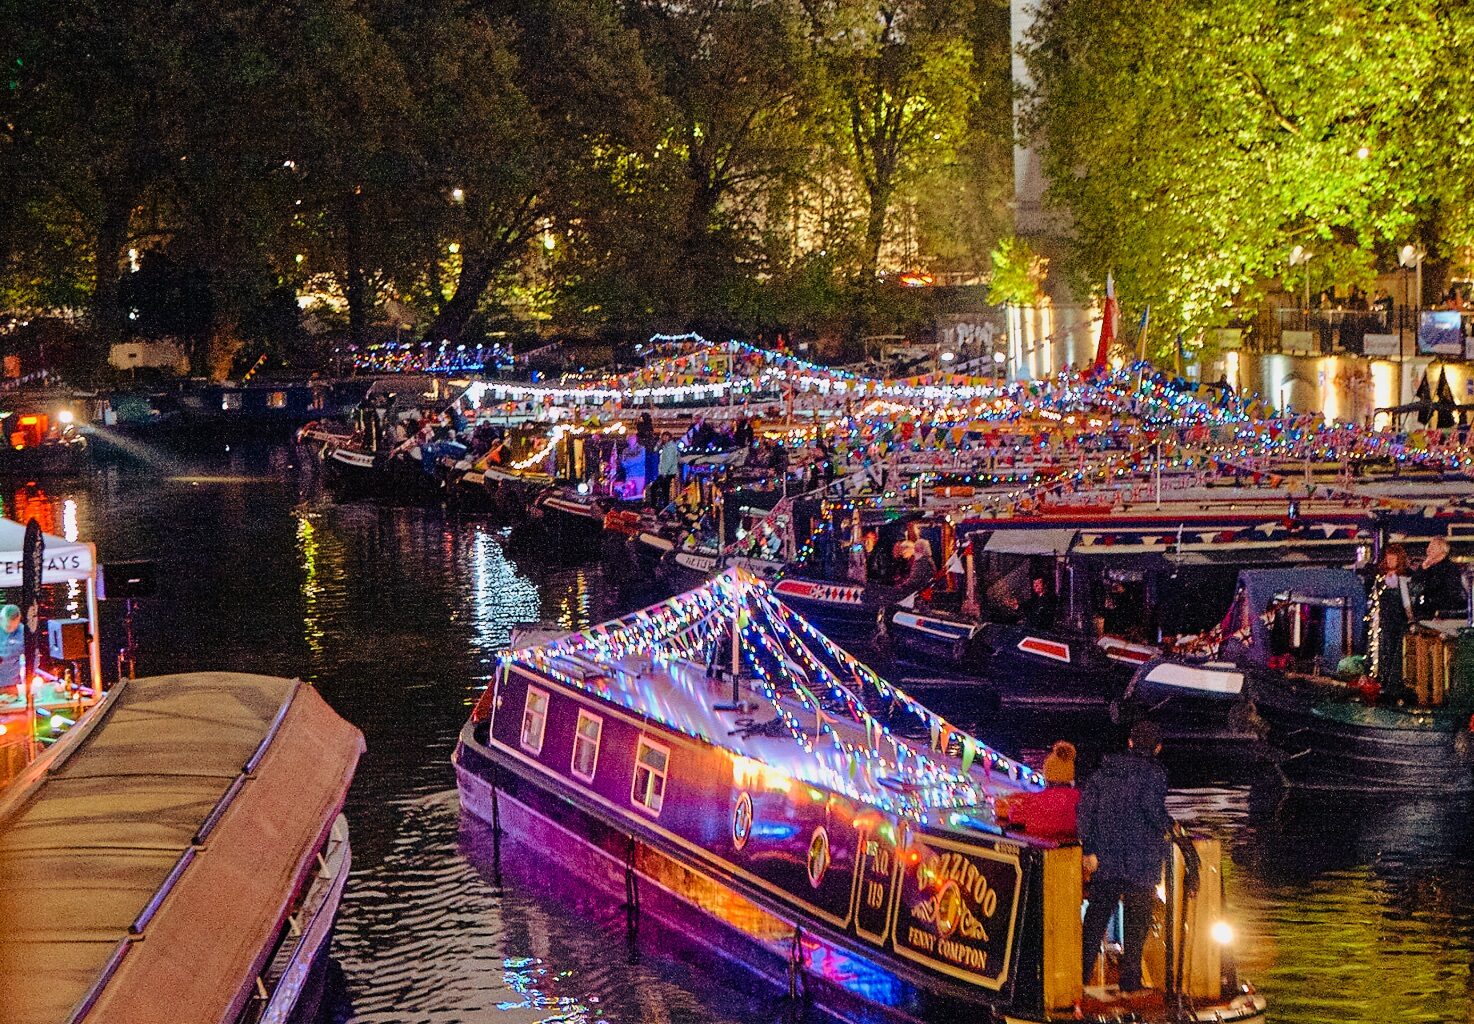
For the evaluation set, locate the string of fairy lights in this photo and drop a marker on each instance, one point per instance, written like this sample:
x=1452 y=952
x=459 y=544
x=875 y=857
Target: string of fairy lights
x=814 y=688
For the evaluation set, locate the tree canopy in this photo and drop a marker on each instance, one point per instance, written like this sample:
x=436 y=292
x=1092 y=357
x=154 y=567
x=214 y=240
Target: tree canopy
x=1194 y=145
x=617 y=163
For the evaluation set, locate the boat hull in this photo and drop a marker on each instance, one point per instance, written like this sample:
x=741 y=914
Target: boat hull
x=353 y=475
x=745 y=920
x=1339 y=745
x=709 y=917
x=846 y=612
x=1007 y=666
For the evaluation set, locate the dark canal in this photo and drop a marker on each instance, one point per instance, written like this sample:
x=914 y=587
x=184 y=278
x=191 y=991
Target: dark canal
x=1349 y=909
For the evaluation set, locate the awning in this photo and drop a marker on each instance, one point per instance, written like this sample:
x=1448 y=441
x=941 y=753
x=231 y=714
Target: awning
x=1030 y=542
x=64 y=559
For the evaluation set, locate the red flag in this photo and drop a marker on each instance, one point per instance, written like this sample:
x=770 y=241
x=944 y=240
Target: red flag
x=1109 y=315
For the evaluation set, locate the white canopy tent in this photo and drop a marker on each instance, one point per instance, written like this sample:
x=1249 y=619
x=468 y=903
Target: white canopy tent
x=63 y=561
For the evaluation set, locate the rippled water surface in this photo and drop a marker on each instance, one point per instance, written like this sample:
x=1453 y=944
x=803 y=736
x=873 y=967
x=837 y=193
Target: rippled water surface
x=1348 y=908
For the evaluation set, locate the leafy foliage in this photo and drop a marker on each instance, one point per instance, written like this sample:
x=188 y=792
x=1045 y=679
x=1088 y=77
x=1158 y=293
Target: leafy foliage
x=585 y=163
x=1018 y=273
x=1194 y=144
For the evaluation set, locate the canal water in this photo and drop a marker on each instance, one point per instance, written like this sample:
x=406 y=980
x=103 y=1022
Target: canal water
x=1348 y=908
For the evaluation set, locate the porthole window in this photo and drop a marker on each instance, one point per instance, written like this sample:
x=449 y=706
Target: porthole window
x=741 y=821
x=818 y=856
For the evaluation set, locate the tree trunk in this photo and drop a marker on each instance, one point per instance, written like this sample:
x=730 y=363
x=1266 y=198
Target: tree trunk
x=697 y=277
x=880 y=197
x=357 y=295
x=221 y=348
x=476 y=274
x=112 y=234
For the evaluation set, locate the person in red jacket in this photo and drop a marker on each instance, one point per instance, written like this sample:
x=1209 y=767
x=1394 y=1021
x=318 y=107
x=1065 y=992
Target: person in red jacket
x=1050 y=814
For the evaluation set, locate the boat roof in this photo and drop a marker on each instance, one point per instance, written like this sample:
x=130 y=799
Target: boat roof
x=826 y=719
x=148 y=860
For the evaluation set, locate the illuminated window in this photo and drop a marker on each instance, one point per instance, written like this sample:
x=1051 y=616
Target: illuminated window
x=648 y=790
x=276 y=400
x=534 y=720
x=230 y=401
x=586 y=745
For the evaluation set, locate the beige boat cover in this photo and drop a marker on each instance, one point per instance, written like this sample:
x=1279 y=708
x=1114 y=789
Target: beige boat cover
x=85 y=846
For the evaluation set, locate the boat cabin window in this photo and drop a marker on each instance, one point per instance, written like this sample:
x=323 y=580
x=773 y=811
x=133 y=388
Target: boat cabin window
x=648 y=790
x=586 y=745
x=534 y=720
x=1018 y=589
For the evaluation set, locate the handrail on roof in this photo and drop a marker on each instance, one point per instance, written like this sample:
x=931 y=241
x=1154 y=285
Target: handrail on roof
x=266 y=741
x=140 y=923
x=94 y=992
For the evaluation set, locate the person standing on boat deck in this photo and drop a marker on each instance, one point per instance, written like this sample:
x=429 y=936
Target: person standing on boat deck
x=668 y=469
x=1392 y=599
x=12 y=647
x=1439 y=583
x=1123 y=823
x=1050 y=814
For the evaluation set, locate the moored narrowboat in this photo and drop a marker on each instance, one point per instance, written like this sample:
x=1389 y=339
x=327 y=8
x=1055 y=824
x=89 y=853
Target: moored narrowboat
x=188 y=838
x=1289 y=663
x=720 y=755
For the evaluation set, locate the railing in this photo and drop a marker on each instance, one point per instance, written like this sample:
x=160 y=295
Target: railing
x=1330 y=331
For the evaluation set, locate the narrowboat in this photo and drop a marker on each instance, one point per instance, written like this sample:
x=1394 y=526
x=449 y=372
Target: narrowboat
x=186 y=843
x=1061 y=612
x=718 y=763
x=1289 y=662
x=42 y=438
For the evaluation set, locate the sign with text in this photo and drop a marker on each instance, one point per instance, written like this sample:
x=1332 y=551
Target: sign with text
x=958 y=908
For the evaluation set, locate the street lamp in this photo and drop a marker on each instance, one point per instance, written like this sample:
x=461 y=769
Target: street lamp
x=1411 y=259
x=1300 y=257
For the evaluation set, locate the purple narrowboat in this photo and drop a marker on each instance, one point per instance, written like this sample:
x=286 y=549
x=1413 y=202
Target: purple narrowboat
x=717 y=762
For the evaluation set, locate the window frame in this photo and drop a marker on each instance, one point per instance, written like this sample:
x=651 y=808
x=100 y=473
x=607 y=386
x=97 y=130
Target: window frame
x=598 y=741
x=542 y=730
x=640 y=746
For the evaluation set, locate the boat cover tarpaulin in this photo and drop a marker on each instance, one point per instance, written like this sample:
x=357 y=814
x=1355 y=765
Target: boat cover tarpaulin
x=65 y=559
x=85 y=848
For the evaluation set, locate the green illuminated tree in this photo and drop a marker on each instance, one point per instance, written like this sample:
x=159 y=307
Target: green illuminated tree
x=1193 y=145
x=901 y=77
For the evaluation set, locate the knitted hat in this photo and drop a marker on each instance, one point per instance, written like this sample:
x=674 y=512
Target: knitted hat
x=1059 y=766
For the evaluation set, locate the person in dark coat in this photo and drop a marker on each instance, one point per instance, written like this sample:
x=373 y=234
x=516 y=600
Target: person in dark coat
x=1393 y=613
x=1439 y=583
x=1123 y=824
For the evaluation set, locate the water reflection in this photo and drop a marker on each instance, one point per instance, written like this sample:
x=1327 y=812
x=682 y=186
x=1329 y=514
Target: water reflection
x=1349 y=908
